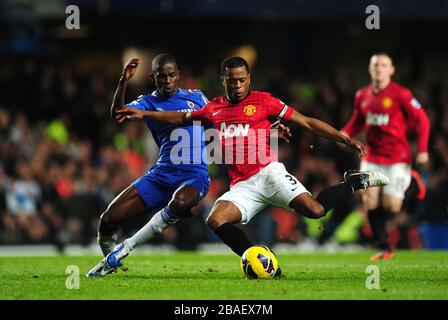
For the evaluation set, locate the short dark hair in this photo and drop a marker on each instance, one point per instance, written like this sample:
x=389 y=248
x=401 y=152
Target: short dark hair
x=233 y=62
x=162 y=59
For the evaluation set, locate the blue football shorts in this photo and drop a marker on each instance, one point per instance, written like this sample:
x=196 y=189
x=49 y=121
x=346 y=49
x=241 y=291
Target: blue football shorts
x=157 y=187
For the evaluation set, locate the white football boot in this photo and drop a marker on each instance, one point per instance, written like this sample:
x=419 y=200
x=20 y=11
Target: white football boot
x=366 y=179
x=115 y=258
x=101 y=269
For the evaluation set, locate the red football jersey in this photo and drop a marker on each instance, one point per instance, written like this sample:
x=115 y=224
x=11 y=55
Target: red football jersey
x=386 y=116
x=244 y=130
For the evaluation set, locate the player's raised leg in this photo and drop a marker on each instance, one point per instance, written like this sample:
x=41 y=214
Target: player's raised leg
x=332 y=196
x=339 y=214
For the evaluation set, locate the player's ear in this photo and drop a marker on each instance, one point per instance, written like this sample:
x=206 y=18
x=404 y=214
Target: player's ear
x=223 y=81
x=153 y=78
x=392 y=70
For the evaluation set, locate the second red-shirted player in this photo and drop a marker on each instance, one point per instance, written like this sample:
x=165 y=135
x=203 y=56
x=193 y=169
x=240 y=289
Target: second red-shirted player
x=386 y=110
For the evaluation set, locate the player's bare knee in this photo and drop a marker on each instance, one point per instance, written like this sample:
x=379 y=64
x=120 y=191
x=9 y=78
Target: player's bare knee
x=181 y=205
x=214 y=221
x=317 y=210
x=211 y=221
x=392 y=207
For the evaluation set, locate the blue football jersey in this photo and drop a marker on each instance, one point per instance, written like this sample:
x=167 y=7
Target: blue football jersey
x=183 y=147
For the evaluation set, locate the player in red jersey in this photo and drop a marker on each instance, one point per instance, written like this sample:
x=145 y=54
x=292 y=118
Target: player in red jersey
x=387 y=110
x=243 y=119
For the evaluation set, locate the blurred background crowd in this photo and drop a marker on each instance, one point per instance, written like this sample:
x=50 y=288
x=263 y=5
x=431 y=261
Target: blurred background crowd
x=63 y=159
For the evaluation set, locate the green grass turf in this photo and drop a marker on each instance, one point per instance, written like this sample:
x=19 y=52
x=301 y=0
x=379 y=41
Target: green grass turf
x=174 y=276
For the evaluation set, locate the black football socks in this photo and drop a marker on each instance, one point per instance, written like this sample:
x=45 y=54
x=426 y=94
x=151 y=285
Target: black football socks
x=340 y=212
x=377 y=220
x=234 y=237
x=332 y=196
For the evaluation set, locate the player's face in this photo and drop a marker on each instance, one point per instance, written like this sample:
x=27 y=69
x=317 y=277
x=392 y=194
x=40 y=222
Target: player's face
x=166 y=79
x=236 y=82
x=381 y=68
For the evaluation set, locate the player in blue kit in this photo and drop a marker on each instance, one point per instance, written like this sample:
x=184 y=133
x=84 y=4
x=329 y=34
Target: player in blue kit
x=169 y=190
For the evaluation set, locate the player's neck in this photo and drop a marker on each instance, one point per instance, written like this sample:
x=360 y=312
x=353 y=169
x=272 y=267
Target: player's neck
x=379 y=86
x=237 y=101
x=167 y=95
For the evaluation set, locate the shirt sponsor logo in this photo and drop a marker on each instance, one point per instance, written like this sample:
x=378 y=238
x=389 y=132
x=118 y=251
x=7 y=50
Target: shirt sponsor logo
x=387 y=102
x=249 y=110
x=377 y=119
x=234 y=130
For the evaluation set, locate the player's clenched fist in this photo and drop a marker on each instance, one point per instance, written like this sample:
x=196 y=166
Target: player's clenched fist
x=130 y=68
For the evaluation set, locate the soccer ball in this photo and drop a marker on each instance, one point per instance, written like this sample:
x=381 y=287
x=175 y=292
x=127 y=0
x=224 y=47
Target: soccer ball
x=259 y=262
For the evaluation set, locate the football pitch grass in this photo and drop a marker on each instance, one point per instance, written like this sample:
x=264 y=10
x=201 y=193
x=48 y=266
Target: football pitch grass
x=204 y=276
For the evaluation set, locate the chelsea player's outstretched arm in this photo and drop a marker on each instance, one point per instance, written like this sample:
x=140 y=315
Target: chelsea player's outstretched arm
x=171 y=117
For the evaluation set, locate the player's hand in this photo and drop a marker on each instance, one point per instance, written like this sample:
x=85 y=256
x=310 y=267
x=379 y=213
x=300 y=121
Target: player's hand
x=120 y=118
x=422 y=159
x=128 y=114
x=130 y=68
x=283 y=132
x=357 y=146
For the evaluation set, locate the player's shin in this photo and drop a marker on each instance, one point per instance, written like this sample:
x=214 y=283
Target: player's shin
x=234 y=237
x=377 y=220
x=107 y=239
x=159 y=222
x=332 y=196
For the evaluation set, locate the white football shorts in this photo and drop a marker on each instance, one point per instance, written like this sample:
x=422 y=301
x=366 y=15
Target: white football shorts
x=273 y=185
x=400 y=175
